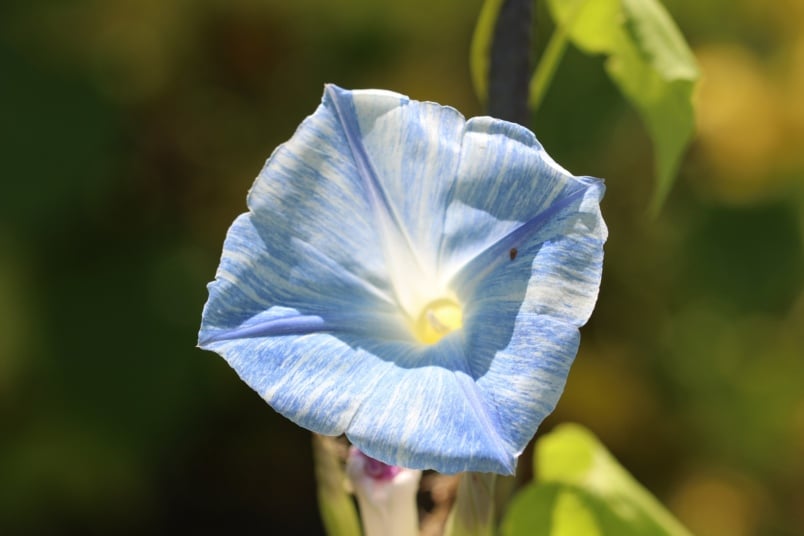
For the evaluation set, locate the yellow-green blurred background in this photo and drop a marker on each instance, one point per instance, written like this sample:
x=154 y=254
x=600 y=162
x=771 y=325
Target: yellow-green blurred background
x=130 y=131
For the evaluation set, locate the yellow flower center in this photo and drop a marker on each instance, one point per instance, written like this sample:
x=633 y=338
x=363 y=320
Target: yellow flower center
x=437 y=319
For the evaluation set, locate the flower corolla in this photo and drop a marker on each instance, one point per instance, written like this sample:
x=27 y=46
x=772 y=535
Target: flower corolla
x=411 y=279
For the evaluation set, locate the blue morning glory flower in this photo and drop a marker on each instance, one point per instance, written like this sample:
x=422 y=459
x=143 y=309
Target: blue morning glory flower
x=411 y=279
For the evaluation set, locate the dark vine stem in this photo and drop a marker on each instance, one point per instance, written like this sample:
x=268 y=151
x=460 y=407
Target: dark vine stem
x=510 y=68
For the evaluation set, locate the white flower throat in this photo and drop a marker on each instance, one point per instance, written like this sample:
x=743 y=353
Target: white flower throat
x=431 y=311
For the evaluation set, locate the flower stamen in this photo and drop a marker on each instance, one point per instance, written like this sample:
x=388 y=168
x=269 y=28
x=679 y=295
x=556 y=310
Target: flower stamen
x=437 y=319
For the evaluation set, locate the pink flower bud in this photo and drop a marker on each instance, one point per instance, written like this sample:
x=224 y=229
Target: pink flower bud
x=386 y=495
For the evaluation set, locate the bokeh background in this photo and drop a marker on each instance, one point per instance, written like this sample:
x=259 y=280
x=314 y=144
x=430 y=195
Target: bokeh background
x=130 y=132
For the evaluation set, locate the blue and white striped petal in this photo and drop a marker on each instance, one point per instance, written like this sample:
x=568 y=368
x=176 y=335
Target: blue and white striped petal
x=411 y=279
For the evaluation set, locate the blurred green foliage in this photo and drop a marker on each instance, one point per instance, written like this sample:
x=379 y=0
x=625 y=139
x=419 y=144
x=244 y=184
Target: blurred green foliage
x=647 y=59
x=580 y=489
x=130 y=134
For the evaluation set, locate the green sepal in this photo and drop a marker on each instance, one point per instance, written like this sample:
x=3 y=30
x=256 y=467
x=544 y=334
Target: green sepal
x=338 y=512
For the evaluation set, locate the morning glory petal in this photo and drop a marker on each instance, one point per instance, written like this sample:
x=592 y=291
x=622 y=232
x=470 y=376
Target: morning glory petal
x=317 y=380
x=411 y=279
x=524 y=380
x=523 y=329
x=417 y=147
x=505 y=180
x=522 y=326
x=454 y=438
x=557 y=266
x=308 y=242
x=407 y=153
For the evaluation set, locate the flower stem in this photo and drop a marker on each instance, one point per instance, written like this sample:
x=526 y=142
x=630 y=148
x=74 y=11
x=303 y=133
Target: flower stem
x=509 y=69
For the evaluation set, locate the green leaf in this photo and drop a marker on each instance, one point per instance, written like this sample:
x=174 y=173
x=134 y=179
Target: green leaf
x=549 y=510
x=591 y=25
x=649 y=60
x=338 y=512
x=581 y=489
x=480 y=49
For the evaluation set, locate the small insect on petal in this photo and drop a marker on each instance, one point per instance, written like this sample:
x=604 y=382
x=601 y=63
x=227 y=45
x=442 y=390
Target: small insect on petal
x=512 y=254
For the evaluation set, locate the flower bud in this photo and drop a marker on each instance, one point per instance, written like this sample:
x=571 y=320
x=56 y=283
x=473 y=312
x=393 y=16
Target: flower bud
x=386 y=495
